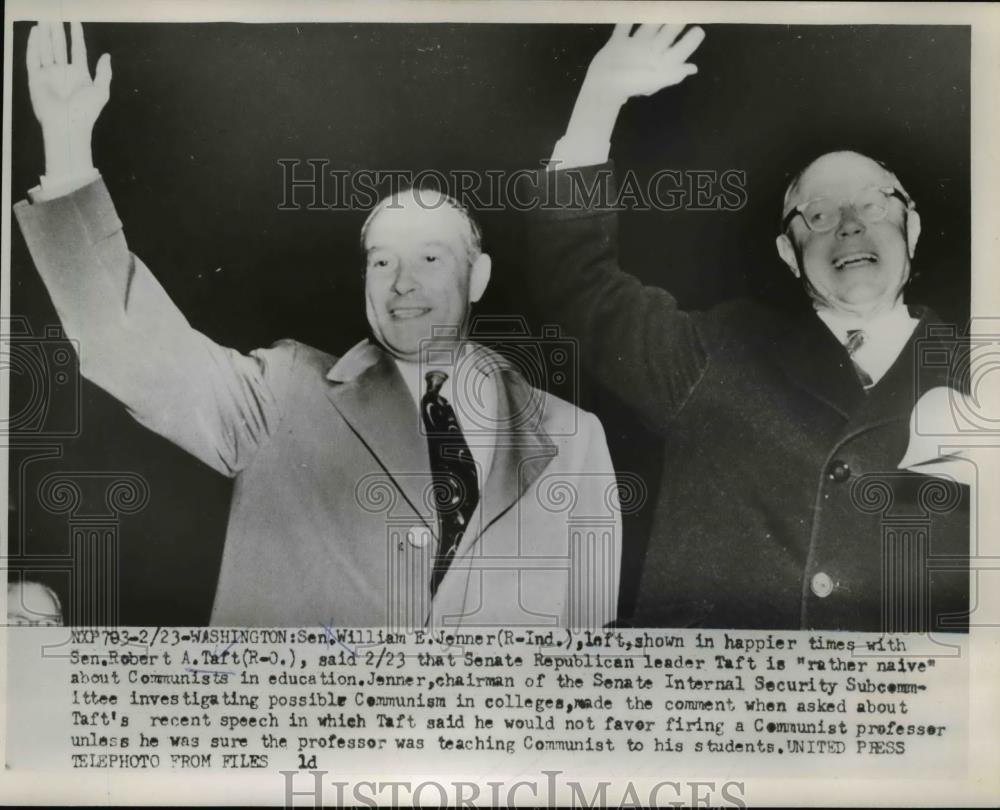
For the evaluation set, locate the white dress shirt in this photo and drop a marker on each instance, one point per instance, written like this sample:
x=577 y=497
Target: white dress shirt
x=885 y=336
x=49 y=188
x=472 y=394
x=571 y=152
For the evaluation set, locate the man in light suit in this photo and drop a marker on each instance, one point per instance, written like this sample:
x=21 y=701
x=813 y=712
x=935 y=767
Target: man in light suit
x=419 y=479
x=782 y=503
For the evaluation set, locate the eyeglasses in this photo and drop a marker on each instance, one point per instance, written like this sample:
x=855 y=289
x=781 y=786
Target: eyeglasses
x=822 y=215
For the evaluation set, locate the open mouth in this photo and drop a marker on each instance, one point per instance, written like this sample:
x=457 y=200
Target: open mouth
x=853 y=260
x=408 y=313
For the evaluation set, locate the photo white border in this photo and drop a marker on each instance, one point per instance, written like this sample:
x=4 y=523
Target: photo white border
x=982 y=787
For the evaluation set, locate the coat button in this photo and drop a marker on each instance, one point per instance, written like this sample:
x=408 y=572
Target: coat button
x=839 y=471
x=821 y=585
x=419 y=536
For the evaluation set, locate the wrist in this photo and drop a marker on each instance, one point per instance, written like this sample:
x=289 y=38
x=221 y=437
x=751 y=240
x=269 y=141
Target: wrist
x=67 y=157
x=49 y=188
x=602 y=94
x=596 y=110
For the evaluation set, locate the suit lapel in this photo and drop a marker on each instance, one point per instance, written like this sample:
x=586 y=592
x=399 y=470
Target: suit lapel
x=380 y=410
x=814 y=360
x=373 y=399
x=523 y=449
x=893 y=397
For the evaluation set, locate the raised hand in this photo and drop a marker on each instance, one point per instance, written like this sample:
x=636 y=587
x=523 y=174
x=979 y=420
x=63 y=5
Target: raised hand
x=64 y=97
x=643 y=62
x=630 y=64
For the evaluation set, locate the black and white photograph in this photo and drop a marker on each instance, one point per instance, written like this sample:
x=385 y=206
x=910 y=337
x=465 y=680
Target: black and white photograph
x=740 y=346
x=589 y=333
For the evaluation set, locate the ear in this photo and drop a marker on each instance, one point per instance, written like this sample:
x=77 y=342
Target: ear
x=912 y=231
x=787 y=253
x=479 y=277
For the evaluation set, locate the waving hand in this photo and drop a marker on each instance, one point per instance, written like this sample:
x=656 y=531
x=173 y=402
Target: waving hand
x=64 y=97
x=637 y=63
x=645 y=61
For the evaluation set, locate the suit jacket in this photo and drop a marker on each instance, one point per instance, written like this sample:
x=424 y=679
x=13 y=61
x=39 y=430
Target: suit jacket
x=332 y=521
x=780 y=504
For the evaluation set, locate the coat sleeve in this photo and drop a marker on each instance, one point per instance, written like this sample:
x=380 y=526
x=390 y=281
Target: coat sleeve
x=632 y=337
x=133 y=342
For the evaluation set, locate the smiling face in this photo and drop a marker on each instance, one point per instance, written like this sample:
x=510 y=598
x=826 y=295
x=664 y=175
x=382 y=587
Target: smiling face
x=423 y=273
x=857 y=267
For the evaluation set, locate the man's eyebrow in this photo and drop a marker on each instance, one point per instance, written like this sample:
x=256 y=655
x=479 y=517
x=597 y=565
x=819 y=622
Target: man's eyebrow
x=437 y=243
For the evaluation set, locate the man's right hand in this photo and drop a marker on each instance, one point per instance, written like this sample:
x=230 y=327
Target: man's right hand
x=643 y=62
x=637 y=63
x=65 y=99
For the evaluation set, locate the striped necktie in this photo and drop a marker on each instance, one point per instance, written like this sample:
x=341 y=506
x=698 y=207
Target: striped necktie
x=456 y=485
x=855 y=340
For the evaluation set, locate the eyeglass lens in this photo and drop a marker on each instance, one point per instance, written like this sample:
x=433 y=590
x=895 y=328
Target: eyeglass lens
x=823 y=214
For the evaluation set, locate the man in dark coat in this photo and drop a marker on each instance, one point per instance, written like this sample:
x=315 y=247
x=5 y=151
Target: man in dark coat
x=782 y=504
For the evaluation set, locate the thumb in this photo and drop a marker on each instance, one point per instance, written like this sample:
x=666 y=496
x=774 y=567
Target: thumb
x=102 y=77
x=689 y=69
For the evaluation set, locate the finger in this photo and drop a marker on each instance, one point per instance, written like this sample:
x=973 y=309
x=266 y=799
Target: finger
x=31 y=56
x=673 y=74
x=102 y=77
x=45 y=44
x=647 y=31
x=58 y=43
x=78 y=53
x=688 y=43
x=621 y=32
x=668 y=34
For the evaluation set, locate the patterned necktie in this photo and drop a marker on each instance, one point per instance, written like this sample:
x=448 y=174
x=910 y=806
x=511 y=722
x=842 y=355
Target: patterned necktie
x=855 y=340
x=456 y=488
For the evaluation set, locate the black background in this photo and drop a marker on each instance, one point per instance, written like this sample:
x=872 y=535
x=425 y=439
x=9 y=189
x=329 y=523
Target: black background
x=200 y=114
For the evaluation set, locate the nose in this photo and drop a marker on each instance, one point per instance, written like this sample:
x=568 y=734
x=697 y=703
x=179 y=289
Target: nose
x=405 y=281
x=850 y=222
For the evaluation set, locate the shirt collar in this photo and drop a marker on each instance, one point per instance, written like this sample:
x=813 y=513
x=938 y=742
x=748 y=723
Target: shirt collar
x=364 y=354
x=467 y=361
x=894 y=321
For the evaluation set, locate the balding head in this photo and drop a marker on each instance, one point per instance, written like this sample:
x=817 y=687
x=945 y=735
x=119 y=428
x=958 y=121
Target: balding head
x=430 y=199
x=823 y=173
